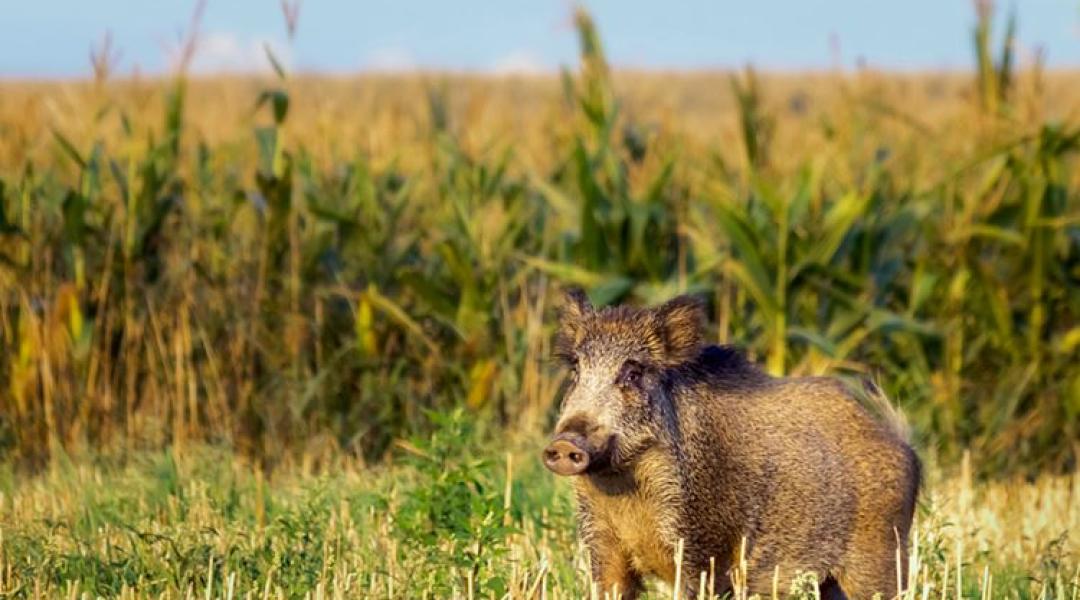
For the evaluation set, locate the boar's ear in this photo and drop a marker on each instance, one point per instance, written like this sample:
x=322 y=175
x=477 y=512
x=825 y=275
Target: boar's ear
x=575 y=309
x=679 y=324
x=575 y=305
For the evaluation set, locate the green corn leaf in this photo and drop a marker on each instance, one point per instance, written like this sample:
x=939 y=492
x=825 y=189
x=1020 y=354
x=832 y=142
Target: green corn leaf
x=748 y=265
x=274 y=62
x=398 y=315
x=990 y=232
x=838 y=223
x=69 y=149
x=815 y=339
x=594 y=250
x=279 y=104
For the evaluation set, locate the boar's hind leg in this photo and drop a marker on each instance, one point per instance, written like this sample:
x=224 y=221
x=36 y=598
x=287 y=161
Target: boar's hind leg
x=830 y=590
x=871 y=576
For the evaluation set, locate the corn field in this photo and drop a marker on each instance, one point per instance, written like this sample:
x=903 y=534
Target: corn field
x=199 y=260
x=159 y=287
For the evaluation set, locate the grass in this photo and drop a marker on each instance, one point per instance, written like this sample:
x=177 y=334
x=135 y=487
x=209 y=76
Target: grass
x=443 y=520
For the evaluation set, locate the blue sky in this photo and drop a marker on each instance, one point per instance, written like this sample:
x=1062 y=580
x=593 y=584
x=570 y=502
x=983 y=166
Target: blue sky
x=51 y=38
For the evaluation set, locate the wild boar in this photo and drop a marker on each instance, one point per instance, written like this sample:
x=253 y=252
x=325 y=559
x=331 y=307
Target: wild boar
x=667 y=439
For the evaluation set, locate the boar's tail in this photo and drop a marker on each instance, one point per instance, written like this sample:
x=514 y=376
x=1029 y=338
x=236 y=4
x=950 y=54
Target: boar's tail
x=897 y=424
x=891 y=416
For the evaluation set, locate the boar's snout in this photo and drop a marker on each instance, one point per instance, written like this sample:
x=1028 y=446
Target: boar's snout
x=566 y=455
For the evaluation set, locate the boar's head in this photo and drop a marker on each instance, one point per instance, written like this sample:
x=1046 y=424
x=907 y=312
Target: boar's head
x=617 y=358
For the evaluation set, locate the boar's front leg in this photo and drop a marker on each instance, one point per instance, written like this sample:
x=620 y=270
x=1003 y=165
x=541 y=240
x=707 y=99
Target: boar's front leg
x=612 y=570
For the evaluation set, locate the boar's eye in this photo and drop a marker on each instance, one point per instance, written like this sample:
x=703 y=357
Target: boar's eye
x=572 y=366
x=631 y=373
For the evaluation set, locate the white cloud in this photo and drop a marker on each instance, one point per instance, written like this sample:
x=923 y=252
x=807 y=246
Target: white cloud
x=520 y=62
x=389 y=60
x=226 y=52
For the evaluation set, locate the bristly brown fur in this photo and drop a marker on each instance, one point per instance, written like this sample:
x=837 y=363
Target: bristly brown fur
x=703 y=446
x=680 y=323
x=572 y=314
x=670 y=334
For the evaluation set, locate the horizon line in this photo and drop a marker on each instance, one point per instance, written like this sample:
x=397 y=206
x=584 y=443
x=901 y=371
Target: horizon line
x=540 y=74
